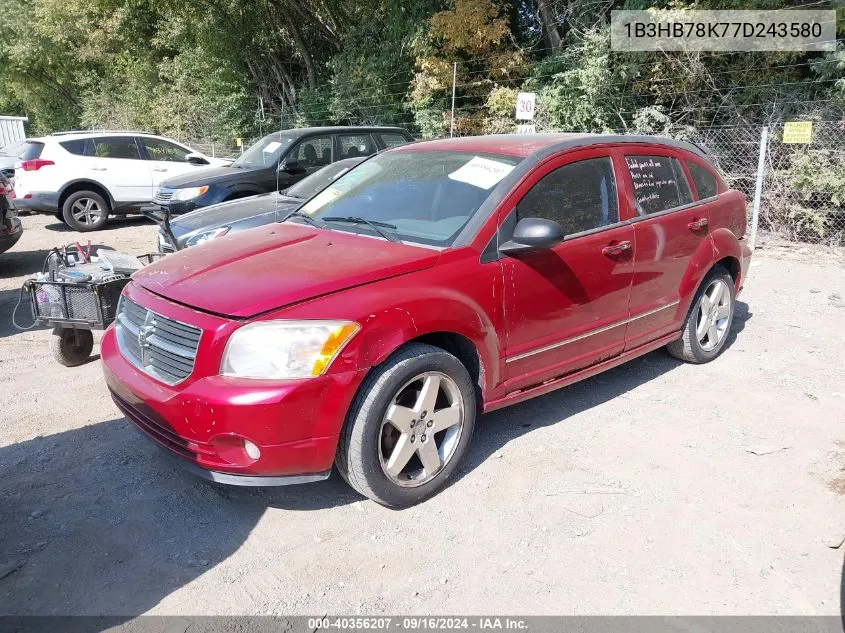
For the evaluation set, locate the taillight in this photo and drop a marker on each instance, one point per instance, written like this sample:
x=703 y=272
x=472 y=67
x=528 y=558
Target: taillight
x=35 y=165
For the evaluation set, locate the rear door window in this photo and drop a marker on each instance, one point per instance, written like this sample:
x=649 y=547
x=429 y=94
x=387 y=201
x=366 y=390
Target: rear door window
x=117 y=147
x=658 y=182
x=580 y=196
x=355 y=145
x=705 y=183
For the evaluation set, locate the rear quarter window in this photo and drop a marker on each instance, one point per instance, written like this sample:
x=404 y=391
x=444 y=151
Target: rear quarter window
x=31 y=151
x=393 y=140
x=79 y=147
x=704 y=181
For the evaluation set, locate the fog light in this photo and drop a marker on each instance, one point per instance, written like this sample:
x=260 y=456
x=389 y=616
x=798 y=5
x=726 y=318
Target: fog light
x=251 y=450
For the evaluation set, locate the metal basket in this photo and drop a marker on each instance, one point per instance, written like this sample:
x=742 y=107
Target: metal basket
x=75 y=304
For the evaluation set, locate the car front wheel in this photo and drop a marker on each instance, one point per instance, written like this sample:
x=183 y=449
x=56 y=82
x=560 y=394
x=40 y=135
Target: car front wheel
x=85 y=211
x=408 y=427
x=709 y=320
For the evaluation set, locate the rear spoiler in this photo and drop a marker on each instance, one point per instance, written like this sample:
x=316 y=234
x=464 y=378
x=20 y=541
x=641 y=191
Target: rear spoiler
x=161 y=216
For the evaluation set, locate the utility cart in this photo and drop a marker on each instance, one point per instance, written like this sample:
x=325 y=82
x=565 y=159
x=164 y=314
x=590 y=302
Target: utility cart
x=77 y=292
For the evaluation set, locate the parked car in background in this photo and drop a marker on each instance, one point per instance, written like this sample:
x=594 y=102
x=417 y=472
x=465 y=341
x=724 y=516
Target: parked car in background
x=11 y=228
x=429 y=284
x=84 y=177
x=274 y=163
x=228 y=218
x=9 y=156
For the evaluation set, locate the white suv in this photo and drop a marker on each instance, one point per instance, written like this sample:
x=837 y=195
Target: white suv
x=82 y=177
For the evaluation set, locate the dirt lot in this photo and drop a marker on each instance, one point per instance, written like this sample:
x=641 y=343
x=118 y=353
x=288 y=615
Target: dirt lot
x=657 y=487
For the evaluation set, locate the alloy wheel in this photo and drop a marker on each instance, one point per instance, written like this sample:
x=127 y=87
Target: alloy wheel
x=86 y=211
x=421 y=429
x=714 y=311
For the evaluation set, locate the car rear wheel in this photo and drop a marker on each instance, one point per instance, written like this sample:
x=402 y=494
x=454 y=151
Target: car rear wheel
x=85 y=211
x=408 y=427
x=71 y=347
x=709 y=320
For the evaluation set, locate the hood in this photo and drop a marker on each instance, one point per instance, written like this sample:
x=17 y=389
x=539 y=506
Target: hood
x=276 y=265
x=205 y=176
x=233 y=211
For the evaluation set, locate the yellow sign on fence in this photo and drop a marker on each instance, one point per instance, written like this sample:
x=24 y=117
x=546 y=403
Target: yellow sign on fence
x=797 y=131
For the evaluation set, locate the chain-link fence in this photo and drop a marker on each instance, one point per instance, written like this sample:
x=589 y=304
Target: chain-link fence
x=803 y=189
x=221 y=149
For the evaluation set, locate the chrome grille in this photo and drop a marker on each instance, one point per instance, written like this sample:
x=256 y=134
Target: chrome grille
x=161 y=347
x=163 y=195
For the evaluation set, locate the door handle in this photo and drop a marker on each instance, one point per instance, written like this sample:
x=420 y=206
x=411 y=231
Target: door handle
x=615 y=250
x=697 y=225
x=98 y=169
x=159 y=168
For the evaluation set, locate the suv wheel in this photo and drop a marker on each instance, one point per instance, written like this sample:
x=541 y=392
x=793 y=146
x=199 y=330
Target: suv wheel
x=85 y=211
x=709 y=320
x=408 y=427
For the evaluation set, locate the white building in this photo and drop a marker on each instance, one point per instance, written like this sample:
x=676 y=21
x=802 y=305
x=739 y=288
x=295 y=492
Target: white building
x=11 y=130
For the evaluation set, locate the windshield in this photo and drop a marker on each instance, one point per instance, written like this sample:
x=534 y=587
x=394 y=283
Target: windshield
x=307 y=187
x=13 y=150
x=264 y=153
x=424 y=197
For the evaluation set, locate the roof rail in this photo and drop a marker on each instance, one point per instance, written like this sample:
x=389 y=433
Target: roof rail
x=99 y=132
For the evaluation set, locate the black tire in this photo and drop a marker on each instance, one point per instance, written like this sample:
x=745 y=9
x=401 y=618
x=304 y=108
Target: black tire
x=71 y=347
x=359 y=459
x=689 y=347
x=77 y=202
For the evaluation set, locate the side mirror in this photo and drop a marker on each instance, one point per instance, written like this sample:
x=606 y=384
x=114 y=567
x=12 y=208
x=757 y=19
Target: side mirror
x=533 y=234
x=196 y=159
x=291 y=166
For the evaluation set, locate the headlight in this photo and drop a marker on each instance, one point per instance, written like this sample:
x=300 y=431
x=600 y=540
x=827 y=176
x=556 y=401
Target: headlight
x=285 y=349
x=205 y=236
x=189 y=193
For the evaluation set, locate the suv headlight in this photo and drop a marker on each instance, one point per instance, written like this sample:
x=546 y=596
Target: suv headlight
x=285 y=349
x=205 y=236
x=188 y=193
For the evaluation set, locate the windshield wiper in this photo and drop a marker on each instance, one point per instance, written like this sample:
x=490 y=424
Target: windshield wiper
x=373 y=224
x=304 y=216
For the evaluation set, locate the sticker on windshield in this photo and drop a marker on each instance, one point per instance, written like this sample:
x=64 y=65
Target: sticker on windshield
x=271 y=147
x=320 y=200
x=481 y=172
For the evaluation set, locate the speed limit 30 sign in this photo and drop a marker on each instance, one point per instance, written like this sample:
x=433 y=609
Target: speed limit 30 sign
x=525 y=106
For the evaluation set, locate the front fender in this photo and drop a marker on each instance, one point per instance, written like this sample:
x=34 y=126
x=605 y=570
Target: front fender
x=441 y=310
x=395 y=311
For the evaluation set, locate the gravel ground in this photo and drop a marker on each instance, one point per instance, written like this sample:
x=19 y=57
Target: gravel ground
x=655 y=488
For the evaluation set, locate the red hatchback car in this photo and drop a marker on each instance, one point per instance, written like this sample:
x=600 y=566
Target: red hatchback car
x=429 y=284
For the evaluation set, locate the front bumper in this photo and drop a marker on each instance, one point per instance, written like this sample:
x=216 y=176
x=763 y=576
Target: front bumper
x=179 y=207
x=205 y=420
x=10 y=232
